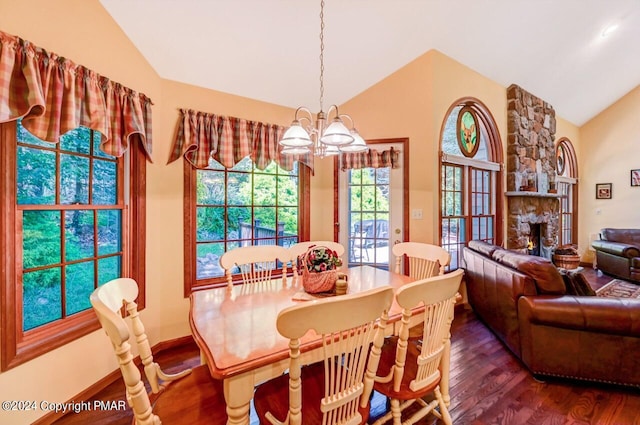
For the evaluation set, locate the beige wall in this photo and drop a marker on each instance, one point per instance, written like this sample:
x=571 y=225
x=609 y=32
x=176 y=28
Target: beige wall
x=401 y=106
x=412 y=102
x=610 y=148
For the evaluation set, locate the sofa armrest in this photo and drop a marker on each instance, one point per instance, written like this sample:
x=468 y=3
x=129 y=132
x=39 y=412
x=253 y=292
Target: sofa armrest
x=589 y=338
x=616 y=248
x=619 y=316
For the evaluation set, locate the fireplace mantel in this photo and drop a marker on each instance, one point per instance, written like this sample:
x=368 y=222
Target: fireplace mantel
x=534 y=194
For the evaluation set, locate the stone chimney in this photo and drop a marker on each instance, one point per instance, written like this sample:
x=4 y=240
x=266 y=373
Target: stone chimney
x=531 y=167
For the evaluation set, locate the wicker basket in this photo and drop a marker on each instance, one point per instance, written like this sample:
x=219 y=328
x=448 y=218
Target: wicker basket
x=316 y=282
x=569 y=262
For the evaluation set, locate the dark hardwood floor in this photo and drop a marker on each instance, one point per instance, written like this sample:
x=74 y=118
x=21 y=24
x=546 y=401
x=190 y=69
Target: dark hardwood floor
x=488 y=386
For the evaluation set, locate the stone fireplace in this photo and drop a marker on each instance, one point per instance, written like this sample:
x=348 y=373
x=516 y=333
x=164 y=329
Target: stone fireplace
x=532 y=210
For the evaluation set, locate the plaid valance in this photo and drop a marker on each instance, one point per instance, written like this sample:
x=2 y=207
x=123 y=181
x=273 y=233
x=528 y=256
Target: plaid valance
x=53 y=95
x=228 y=140
x=370 y=159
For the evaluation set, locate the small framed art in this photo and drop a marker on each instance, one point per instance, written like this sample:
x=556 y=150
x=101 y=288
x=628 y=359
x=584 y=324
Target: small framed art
x=603 y=191
x=635 y=177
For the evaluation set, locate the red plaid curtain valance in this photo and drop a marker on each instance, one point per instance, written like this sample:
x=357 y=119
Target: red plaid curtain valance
x=228 y=140
x=53 y=95
x=370 y=159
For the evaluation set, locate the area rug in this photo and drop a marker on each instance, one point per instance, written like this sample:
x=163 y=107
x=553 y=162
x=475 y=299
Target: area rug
x=618 y=288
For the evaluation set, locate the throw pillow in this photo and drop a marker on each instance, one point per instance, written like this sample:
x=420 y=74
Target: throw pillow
x=546 y=276
x=577 y=284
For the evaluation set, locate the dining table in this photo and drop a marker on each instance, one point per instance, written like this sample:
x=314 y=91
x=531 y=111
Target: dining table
x=235 y=330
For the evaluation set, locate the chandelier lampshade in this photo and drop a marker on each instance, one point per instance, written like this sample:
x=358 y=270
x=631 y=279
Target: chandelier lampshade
x=358 y=144
x=336 y=134
x=296 y=136
x=301 y=150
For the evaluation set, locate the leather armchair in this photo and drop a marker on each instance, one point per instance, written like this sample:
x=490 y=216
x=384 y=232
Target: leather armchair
x=618 y=253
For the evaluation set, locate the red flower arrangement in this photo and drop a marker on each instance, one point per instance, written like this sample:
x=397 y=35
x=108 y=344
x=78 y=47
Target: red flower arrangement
x=321 y=258
x=319 y=269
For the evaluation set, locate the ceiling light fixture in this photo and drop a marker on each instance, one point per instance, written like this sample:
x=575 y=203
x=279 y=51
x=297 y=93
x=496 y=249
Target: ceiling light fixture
x=610 y=29
x=322 y=137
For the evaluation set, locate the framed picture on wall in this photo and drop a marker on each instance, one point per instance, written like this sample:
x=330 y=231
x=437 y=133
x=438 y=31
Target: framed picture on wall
x=635 y=177
x=603 y=191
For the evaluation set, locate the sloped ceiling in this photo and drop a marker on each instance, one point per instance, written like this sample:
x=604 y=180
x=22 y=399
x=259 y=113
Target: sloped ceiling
x=269 y=49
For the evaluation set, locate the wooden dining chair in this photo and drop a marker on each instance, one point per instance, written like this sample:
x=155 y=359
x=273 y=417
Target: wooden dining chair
x=255 y=264
x=336 y=389
x=189 y=397
x=410 y=370
x=300 y=248
x=425 y=260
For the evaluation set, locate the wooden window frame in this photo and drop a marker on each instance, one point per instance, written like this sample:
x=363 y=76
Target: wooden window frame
x=493 y=164
x=570 y=177
x=488 y=190
x=18 y=347
x=458 y=218
x=190 y=173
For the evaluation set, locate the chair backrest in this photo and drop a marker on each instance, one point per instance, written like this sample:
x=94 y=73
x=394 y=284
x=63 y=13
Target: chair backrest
x=255 y=263
x=300 y=248
x=349 y=326
x=438 y=294
x=107 y=301
x=425 y=260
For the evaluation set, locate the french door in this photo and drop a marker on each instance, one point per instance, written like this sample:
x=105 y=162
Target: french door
x=371 y=210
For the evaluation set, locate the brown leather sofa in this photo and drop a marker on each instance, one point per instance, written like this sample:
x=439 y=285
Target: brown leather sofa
x=618 y=253
x=523 y=299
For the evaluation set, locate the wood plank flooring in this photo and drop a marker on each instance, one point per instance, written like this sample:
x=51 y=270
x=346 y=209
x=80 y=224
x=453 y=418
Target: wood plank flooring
x=488 y=386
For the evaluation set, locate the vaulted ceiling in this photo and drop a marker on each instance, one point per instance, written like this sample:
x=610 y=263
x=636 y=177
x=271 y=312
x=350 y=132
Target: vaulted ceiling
x=579 y=55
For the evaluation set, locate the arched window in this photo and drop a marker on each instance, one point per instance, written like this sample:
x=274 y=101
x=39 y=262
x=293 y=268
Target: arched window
x=567 y=186
x=470 y=178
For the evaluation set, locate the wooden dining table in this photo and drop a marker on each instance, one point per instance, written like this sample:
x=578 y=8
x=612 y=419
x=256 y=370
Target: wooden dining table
x=235 y=330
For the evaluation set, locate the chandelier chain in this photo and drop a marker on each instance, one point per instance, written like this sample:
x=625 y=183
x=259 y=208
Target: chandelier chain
x=322 y=137
x=321 y=54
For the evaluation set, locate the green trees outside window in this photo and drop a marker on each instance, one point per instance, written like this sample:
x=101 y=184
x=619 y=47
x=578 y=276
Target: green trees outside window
x=243 y=206
x=69 y=201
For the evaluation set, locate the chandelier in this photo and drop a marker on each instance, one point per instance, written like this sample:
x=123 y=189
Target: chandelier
x=321 y=136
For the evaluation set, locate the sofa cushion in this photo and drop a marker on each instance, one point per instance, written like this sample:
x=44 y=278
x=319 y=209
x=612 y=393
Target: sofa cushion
x=484 y=248
x=546 y=276
x=628 y=236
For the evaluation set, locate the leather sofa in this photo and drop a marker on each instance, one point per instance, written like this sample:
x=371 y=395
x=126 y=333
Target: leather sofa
x=618 y=253
x=523 y=299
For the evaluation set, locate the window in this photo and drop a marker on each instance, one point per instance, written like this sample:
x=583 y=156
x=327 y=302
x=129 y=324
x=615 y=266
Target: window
x=240 y=206
x=369 y=191
x=469 y=178
x=67 y=207
x=567 y=186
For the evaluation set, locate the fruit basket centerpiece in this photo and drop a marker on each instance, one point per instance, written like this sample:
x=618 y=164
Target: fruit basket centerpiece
x=319 y=267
